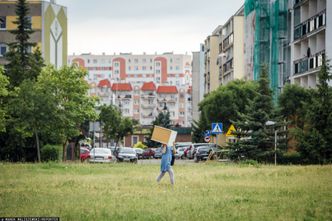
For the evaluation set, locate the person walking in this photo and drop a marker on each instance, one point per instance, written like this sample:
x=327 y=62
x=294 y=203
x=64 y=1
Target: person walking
x=165 y=165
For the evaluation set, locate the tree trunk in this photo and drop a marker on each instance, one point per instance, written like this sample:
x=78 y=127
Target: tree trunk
x=64 y=153
x=38 y=147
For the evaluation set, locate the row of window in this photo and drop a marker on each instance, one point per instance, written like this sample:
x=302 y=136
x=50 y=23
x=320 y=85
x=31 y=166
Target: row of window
x=308 y=64
x=310 y=25
x=96 y=61
x=3 y=22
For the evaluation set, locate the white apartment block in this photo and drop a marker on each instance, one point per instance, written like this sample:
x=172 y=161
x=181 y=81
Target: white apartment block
x=232 y=55
x=141 y=84
x=311 y=30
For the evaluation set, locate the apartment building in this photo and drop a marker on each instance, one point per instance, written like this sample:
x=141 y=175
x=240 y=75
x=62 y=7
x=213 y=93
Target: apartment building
x=211 y=75
x=140 y=83
x=198 y=70
x=231 y=56
x=49 y=22
x=311 y=29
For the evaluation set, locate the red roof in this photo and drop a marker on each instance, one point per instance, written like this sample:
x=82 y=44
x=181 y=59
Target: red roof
x=104 y=83
x=167 y=90
x=148 y=86
x=122 y=87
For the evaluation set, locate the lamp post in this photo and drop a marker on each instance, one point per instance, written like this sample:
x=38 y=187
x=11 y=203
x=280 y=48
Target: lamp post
x=272 y=123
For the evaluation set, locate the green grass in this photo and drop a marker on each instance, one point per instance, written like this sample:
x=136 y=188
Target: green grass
x=130 y=192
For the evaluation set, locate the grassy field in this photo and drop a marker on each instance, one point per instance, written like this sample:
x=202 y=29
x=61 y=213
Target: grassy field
x=206 y=191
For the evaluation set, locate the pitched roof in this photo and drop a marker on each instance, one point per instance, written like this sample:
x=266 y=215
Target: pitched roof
x=148 y=86
x=122 y=87
x=104 y=83
x=167 y=90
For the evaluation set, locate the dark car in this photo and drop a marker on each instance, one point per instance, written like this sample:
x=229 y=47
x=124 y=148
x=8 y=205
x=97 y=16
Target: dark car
x=202 y=153
x=148 y=153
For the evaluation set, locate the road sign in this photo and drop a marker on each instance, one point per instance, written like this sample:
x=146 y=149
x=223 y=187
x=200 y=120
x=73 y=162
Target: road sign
x=207 y=133
x=230 y=131
x=207 y=139
x=216 y=128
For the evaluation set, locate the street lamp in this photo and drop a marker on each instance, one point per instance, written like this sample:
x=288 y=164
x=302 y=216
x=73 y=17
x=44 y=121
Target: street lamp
x=272 y=123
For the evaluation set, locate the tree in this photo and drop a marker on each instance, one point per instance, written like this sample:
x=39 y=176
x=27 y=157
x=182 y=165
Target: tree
x=255 y=137
x=316 y=138
x=53 y=107
x=110 y=117
x=292 y=104
x=223 y=105
x=21 y=63
x=73 y=105
x=3 y=94
x=115 y=126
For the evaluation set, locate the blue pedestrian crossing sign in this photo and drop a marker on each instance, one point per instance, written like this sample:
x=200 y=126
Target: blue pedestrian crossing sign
x=216 y=128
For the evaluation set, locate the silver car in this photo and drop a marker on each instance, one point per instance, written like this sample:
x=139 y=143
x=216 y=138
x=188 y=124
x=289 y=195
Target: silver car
x=127 y=154
x=101 y=155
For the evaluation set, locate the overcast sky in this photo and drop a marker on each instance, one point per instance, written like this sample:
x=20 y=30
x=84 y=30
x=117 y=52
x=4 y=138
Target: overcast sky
x=137 y=26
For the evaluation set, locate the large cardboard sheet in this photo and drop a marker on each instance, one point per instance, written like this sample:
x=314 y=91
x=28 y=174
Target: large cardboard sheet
x=164 y=135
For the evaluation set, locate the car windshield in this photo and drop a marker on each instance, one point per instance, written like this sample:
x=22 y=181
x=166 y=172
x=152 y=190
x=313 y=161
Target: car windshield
x=127 y=150
x=204 y=148
x=101 y=151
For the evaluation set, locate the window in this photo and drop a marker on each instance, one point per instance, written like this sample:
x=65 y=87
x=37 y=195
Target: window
x=157 y=64
x=2 y=22
x=143 y=68
x=3 y=50
x=144 y=60
x=177 y=68
x=95 y=61
x=157 y=71
x=116 y=72
x=136 y=60
x=116 y=64
x=136 y=68
x=134 y=140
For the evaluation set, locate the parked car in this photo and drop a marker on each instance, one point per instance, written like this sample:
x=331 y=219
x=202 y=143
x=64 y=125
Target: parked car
x=158 y=153
x=127 y=154
x=193 y=147
x=139 y=152
x=202 y=153
x=148 y=153
x=101 y=155
x=180 y=153
x=84 y=153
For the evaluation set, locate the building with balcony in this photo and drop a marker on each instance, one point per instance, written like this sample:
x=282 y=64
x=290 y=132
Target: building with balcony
x=49 y=23
x=211 y=74
x=231 y=56
x=311 y=28
x=135 y=81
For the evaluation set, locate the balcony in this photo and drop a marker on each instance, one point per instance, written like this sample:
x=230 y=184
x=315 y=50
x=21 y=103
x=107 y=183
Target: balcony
x=311 y=25
x=148 y=106
x=147 y=115
x=309 y=64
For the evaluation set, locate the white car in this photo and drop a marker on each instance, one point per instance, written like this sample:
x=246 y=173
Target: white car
x=101 y=155
x=127 y=154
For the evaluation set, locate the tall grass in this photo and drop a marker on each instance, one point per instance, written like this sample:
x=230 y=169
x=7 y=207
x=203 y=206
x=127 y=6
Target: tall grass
x=130 y=192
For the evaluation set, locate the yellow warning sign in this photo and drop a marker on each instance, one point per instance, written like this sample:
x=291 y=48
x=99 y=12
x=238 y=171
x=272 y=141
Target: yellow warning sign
x=230 y=131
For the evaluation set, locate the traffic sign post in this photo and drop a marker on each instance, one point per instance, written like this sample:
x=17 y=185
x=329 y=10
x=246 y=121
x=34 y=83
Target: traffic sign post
x=216 y=128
